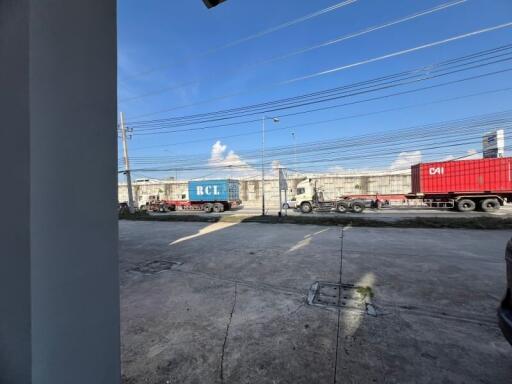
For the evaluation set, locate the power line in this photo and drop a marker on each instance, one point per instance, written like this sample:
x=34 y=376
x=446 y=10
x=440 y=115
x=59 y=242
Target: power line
x=343 y=67
x=479 y=121
x=356 y=151
x=258 y=132
x=323 y=44
x=399 y=140
x=408 y=74
x=344 y=104
x=342 y=155
x=247 y=38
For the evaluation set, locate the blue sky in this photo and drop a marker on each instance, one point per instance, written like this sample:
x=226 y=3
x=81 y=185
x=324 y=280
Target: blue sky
x=170 y=34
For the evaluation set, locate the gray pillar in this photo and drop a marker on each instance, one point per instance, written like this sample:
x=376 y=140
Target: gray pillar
x=59 y=292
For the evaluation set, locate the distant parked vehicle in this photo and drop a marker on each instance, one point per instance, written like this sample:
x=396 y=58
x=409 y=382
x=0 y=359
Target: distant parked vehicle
x=154 y=204
x=505 y=309
x=123 y=208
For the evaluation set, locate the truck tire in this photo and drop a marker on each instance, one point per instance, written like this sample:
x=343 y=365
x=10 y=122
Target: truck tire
x=306 y=207
x=207 y=208
x=466 y=205
x=357 y=207
x=217 y=208
x=286 y=206
x=341 y=208
x=490 y=205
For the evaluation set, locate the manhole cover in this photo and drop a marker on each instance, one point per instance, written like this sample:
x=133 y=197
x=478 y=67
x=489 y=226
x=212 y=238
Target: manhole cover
x=325 y=294
x=155 y=266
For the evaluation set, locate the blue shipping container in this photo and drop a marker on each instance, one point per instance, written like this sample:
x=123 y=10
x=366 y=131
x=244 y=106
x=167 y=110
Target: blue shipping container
x=214 y=190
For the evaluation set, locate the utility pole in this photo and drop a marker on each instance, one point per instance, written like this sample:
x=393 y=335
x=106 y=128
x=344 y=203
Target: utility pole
x=126 y=163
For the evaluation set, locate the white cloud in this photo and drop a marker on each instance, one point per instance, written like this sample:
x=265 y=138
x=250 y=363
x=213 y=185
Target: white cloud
x=406 y=159
x=229 y=163
x=472 y=154
x=218 y=152
x=448 y=158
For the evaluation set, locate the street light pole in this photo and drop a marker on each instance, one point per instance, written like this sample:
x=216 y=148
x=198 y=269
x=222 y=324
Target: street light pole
x=294 y=150
x=263 y=120
x=263 y=165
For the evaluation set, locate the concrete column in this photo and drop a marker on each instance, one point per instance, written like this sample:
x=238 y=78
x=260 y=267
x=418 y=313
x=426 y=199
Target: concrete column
x=59 y=291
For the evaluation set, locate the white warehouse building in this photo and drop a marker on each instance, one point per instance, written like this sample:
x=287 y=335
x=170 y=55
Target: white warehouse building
x=333 y=185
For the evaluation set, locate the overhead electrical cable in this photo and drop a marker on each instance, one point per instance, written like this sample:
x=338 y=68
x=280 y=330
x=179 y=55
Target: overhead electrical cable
x=430 y=135
x=247 y=38
x=472 y=122
x=299 y=51
x=462 y=60
x=340 y=68
x=347 y=103
x=355 y=92
x=346 y=117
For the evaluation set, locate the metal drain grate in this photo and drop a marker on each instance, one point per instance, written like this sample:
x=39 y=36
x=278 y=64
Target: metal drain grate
x=325 y=294
x=155 y=266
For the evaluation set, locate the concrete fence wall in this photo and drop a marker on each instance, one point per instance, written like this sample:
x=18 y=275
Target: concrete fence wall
x=250 y=190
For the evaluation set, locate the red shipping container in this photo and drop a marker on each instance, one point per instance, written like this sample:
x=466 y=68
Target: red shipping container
x=482 y=176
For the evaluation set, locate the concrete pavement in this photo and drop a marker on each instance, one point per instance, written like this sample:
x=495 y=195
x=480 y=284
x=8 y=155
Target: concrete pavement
x=226 y=303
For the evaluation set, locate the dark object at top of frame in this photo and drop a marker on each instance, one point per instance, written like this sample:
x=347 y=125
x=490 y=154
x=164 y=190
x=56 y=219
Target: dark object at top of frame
x=212 y=3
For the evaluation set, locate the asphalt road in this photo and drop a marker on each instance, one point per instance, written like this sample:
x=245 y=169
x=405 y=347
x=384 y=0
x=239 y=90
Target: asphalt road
x=384 y=213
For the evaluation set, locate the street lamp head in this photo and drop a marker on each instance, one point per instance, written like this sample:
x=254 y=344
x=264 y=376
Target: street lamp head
x=275 y=119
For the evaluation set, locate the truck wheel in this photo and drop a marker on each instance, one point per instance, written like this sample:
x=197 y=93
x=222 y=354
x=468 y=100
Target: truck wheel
x=490 y=205
x=341 y=208
x=466 y=205
x=217 y=208
x=286 y=206
x=357 y=207
x=306 y=207
x=207 y=208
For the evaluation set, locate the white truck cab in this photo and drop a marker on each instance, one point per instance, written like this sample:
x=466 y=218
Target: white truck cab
x=309 y=197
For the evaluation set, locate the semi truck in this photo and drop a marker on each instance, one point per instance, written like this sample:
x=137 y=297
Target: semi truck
x=201 y=195
x=464 y=185
x=310 y=198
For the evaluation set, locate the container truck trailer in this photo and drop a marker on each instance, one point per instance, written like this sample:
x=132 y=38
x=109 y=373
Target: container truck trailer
x=202 y=195
x=466 y=185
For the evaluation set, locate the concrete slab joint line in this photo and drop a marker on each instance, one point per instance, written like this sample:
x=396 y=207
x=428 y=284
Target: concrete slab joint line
x=342 y=235
x=226 y=336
